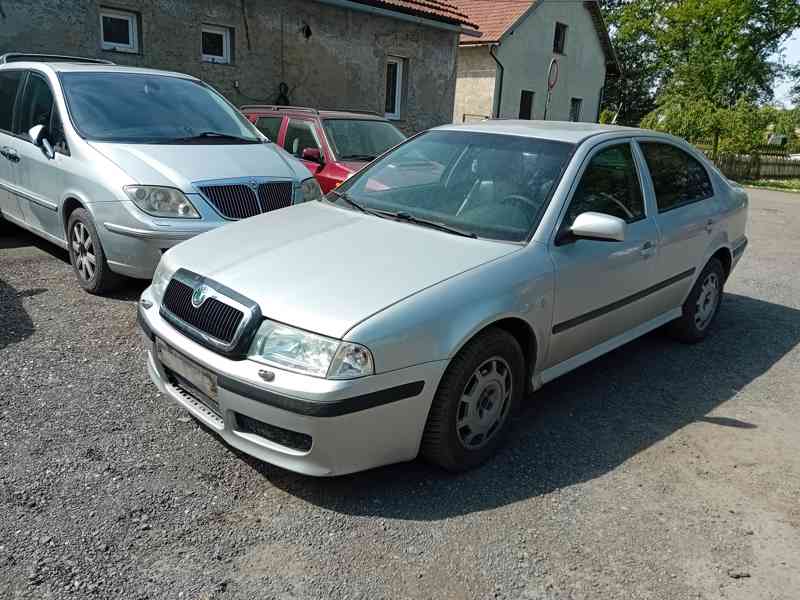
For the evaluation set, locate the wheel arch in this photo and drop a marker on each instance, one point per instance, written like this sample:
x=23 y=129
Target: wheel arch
x=725 y=256
x=68 y=206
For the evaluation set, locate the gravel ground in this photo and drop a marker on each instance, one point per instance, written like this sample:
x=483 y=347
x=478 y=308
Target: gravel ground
x=660 y=471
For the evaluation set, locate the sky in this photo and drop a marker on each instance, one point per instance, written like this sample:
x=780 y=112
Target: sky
x=791 y=53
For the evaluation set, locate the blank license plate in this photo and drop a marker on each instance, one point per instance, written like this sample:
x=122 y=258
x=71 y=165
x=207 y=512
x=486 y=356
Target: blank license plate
x=202 y=379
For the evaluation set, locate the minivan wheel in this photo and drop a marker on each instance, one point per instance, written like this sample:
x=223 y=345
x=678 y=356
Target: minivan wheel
x=87 y=256
x=702 y=305
x=474 y=406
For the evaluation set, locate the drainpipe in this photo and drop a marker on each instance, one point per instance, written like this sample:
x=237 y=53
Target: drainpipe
x=502 y=70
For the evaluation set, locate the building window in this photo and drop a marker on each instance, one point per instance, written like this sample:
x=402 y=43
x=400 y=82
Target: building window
x=526 y=104
x=575 y=109
x=216 y=44
x=394 y=87
x=560 y=38
x=119 y=30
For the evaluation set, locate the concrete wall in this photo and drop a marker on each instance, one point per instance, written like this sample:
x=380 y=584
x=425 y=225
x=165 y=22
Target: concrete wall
x=475 y=87
x=341 y=65
x=526 y=57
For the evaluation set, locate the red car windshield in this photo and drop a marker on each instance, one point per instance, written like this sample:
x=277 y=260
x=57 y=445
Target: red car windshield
x=361 y=139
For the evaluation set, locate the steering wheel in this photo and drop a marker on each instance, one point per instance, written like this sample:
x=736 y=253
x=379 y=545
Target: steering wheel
x=518 y=198
x=621 y=206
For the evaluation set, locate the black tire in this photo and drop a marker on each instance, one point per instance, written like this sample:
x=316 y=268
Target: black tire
x=702 y=306
x=447 y=444
x=87 y=256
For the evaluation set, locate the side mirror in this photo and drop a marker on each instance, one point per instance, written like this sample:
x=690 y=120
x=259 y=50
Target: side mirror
x=38 y=135
x=595 y=226
x=312 y=155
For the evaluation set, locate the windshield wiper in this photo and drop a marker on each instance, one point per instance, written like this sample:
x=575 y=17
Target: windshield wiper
x=366 y=157
x=409 y=218
x=345 y=196
x=215 y=135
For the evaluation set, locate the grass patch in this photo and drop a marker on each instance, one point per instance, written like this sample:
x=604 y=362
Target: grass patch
x=784 y=185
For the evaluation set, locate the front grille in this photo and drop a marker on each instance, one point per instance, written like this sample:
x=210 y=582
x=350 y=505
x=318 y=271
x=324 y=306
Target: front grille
x=233 y=201
x=213 y=317
x=275 y=195
x=285 y=437
x=239 y=201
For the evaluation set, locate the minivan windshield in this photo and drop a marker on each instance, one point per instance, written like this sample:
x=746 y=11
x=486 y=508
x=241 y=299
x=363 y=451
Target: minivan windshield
x=361 y=139
x=479 y=184
x=149 y=108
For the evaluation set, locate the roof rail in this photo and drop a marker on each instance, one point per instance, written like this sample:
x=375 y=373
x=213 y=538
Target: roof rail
x=279 y=107
x=10 y=57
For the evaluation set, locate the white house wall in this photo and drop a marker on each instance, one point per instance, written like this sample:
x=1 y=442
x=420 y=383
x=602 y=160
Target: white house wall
x=527 y=53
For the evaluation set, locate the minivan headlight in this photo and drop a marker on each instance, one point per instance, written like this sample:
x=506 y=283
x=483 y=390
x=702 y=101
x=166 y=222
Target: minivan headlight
x=309 y=190
x=309 y=353
x=160 y=201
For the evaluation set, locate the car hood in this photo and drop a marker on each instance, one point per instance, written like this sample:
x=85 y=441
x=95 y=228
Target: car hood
x=325 y=269
x=181 y=165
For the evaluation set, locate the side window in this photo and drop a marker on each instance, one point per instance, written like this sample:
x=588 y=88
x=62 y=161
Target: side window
x=269 y=126
x=299 y=136
x=678 y=178
x=37 y=104
x=9 y=82
x=609 y=185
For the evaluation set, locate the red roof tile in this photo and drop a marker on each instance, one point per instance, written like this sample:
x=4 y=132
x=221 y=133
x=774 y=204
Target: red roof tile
x=493 y=17
x=436 y=10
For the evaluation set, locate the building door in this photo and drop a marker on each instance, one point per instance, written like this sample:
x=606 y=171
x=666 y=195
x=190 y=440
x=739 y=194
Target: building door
x=526 y=104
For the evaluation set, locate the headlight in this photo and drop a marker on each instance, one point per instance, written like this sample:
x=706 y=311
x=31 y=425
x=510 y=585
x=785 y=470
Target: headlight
x=309 y=353
x=160 y=280
x=309 y=190
x=161 y=201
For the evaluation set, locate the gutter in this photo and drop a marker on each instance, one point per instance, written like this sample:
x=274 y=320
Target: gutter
x=502 y=70
x=383 y=12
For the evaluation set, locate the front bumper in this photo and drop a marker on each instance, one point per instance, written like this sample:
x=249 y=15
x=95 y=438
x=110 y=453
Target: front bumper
x=351 y=425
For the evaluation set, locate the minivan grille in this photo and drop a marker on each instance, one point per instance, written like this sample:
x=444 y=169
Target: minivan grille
x=240 y=201
x=212 y=317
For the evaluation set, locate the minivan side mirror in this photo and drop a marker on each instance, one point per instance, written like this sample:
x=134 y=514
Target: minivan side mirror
x=38 y=135
x=312 y=155
x=594 y=226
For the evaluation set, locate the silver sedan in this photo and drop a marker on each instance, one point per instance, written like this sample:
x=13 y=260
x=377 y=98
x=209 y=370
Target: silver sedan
x=415 y=308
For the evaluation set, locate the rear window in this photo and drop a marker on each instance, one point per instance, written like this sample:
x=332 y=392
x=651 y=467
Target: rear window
x=678 y=178
x=9 y=83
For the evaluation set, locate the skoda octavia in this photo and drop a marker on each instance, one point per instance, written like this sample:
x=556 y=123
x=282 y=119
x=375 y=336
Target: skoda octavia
x=413 y=309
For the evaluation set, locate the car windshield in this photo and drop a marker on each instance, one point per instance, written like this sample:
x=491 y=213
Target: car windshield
x=361 y=139
x=487 y=185
x=153 y=109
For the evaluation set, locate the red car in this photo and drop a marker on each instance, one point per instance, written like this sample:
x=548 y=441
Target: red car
x=332 y=144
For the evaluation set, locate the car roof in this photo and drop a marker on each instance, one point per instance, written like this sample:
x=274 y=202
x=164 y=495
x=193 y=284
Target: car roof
x=312 y=112
x=78 y=67
x=561 y=131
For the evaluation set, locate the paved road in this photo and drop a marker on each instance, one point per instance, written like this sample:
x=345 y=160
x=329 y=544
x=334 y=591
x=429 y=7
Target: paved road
x=660 y=471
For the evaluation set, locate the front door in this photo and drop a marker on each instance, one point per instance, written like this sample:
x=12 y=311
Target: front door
x=301 y=134
x=9 y=85
x=599 y=283
x=40 y=179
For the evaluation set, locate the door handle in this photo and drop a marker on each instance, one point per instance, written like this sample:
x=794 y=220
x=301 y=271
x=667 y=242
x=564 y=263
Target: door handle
x=10 y=154
x=710 y=225
x=648 y=249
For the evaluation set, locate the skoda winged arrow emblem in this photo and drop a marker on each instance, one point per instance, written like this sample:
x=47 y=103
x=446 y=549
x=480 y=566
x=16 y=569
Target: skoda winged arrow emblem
x=199 y=295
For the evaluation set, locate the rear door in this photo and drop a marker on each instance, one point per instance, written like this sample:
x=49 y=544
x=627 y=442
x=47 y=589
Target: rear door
x=687 y=206
x=10 y=83
x=602 y=286
x=40 y=180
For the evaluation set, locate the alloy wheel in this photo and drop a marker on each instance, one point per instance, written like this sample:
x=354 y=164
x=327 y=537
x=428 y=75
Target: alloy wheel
x=484 y=403
x=84 y=251
x=707 y=301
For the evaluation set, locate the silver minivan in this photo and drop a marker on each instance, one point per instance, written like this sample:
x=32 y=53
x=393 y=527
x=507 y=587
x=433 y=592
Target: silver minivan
x=117 y=164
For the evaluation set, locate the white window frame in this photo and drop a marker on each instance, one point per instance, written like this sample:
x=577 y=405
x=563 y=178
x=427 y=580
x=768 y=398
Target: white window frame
x=133 y=30
x=398 y=88
x=225 y=32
